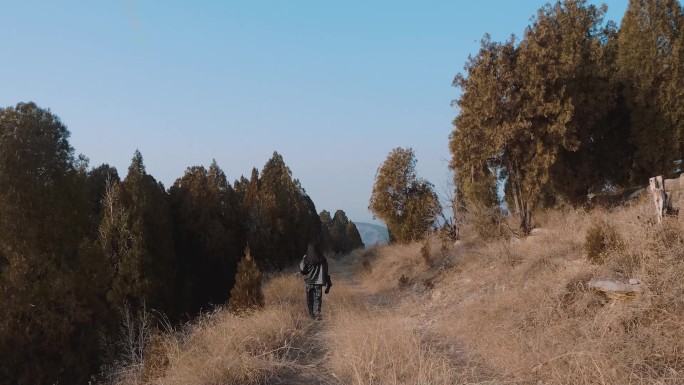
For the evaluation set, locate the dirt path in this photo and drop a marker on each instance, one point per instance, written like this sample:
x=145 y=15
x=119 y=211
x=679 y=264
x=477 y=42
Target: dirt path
x=310 y=353
x=311 y=358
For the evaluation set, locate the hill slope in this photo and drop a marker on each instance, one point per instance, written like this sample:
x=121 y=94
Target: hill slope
x=493 y=311
x=372 y=234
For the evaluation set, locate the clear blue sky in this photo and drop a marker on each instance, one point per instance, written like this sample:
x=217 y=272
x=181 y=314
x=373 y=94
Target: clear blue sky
x=333 y=86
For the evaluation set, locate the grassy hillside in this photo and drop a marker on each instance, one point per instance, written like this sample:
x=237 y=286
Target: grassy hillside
x=496 y=311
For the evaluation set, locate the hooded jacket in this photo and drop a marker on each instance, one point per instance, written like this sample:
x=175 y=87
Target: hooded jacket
x=315 y=274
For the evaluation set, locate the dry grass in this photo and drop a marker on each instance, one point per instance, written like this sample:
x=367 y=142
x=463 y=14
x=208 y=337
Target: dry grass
x=224 y=348
x=389 y=264
x=384 y=348
x=495 y=311
x=525 y=312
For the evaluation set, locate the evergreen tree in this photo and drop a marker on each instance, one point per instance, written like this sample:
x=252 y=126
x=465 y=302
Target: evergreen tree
x=537 y=112
x=338 y=234
x=326 y=237
x=145 y=272
x=50 y=273
x=97 y=183
x=247 y=293
x=281 y=218
x=206 y=229
x=353 y=237
x=650 y=66
x=252 y=213
x=488 y=106
x=407 y=204
x=344 y=233
x=568 y=95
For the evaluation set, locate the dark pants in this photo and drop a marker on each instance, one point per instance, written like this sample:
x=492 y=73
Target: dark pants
x=314 y=297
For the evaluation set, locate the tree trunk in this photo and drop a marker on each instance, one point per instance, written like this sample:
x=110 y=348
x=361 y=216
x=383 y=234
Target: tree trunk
x=526 y=220
x=516 y=199
x=522 y=208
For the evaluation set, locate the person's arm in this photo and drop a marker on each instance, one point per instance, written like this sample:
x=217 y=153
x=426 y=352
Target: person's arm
x=303 y=268
x=328 y=282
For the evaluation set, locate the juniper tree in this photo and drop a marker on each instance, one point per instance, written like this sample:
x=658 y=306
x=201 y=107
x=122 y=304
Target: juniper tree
x=146 y=272
x=353 y=237
x=535 y=112
x=488 y=131
x=247 y=293
x=407 y=204
x=281 y=218
x=567 y=95
x=97 y=180
x=205 y=219
x=50 y=273
x=345 y=233
x=650 y=66
x=338 y=234
x=325 y=237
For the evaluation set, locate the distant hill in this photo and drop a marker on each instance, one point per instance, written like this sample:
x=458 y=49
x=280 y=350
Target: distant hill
x=372 y=233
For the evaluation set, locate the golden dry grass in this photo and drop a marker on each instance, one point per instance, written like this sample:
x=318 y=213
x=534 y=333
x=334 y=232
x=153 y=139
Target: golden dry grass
x=380 y=347
x=524 y=310
x=494 y=312
x=222 y=348
x=231 y=350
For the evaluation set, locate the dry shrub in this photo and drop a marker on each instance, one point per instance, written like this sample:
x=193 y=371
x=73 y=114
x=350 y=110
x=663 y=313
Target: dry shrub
x=127 y=357
x=489 y=223
x=382 y=348
x=246 y=294
x=365 y=256
x=601 y=239
x=156 y=360
x=445 y=243
x=389 y=264
x=367 y=266
x=366 y=253
x=403 y=282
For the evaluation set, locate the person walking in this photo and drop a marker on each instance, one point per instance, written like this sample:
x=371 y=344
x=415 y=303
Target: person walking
x=314 y=267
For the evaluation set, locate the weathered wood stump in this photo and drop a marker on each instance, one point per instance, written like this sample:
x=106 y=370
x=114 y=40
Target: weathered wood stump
x=666 y=194
x=660 y=197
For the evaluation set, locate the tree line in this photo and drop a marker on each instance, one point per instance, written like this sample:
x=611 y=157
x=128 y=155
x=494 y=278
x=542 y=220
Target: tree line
x=80 y=245
x=576 y=106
